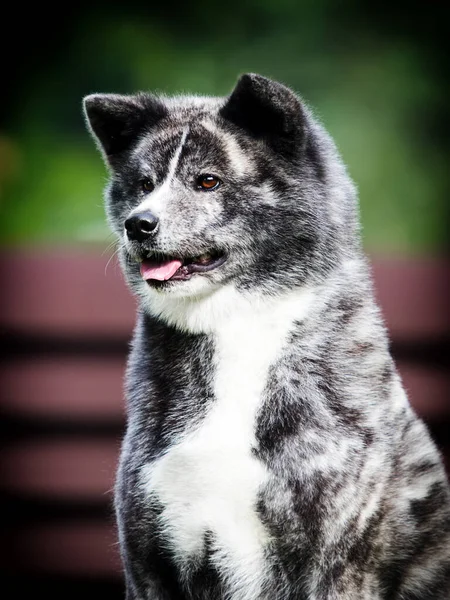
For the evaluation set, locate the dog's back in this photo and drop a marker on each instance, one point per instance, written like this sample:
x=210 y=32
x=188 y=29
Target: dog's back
x=271 y=452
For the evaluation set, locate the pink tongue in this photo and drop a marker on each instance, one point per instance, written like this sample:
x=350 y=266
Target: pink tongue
x=159 y=271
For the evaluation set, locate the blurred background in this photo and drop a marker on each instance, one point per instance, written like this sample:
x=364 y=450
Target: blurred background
x=375 y=74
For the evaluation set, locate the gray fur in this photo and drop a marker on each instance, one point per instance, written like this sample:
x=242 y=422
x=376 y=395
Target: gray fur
x=270 y=453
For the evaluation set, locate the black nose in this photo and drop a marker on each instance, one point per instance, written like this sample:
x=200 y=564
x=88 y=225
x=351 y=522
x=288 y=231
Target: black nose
x=141 y=226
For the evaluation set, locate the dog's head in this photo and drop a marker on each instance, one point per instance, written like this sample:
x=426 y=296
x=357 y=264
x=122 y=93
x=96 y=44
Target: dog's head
x=203 y=190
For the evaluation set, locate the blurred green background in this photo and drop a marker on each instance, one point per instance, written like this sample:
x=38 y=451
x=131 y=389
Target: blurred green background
x=375 y=75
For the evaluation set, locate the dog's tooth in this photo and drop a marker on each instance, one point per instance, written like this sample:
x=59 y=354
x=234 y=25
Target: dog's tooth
x=204 y=258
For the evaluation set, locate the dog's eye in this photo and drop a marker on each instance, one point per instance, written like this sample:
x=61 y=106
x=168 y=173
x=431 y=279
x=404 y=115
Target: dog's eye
x=147 y=185
x=208 y=182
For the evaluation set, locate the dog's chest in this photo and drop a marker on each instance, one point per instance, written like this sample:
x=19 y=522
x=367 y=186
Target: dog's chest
x=207 y=483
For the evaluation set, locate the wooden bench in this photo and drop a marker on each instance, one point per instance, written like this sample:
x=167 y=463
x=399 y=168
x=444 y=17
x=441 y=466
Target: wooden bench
x=66 y=322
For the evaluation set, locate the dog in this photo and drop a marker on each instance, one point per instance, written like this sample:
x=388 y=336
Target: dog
x=270 y=452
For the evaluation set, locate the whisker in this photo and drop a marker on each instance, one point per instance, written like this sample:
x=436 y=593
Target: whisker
x=120 y=246
x=110 y=245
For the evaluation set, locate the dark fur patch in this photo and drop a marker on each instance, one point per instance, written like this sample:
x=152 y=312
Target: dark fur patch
x=202 y=581
x=118 y=121
x=424 y=509
x=267 y=111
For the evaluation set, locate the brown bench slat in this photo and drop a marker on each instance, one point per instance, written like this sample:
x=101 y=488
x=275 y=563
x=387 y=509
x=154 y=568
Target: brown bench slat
x=414 y=295
x=63 y=293
x=63 y=469
x=64 y=388
x=428 y=390
x=85 y=390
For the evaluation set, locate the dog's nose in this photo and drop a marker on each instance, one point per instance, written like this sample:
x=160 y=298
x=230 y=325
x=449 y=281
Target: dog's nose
x=141 y=226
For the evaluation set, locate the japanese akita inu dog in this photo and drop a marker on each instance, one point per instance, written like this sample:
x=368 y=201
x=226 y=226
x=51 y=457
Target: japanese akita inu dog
x=270 y=452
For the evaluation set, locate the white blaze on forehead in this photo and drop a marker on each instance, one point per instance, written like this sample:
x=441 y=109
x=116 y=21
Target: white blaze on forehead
x=239 y=160
x=176 y=157
x=156 y=200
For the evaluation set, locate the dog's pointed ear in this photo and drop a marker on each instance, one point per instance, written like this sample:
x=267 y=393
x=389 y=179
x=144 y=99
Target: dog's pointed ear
x=267 y=110
x=116 y=121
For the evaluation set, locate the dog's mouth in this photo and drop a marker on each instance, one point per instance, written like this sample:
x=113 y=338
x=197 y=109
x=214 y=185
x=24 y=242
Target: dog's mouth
x=158 y=268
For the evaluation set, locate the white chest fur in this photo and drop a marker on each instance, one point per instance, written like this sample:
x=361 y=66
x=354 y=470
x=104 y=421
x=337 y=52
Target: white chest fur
x=209 y=480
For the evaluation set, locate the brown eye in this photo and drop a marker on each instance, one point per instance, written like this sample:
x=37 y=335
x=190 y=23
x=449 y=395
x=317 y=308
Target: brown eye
x=147 y=185
x=208 y=182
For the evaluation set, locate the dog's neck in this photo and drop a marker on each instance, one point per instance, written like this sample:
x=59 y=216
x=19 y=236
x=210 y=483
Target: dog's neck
x=227 y=308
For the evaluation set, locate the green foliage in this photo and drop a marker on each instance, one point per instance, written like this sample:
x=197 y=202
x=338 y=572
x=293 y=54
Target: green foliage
x=373 y=93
